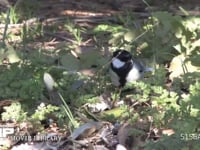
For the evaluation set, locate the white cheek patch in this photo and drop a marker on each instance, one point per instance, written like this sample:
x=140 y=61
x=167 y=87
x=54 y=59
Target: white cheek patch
x=117 y=63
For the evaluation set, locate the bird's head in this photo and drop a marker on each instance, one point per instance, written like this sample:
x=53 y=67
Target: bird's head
x=120 y=58
x=122 y=55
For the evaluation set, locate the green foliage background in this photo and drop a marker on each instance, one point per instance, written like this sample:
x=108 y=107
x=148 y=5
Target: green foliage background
x=159 y=39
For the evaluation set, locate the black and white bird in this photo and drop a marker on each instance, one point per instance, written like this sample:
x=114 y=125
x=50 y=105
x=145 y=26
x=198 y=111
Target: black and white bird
x=124 y=68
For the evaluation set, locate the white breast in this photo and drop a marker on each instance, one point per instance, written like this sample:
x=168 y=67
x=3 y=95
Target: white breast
x=134 y=75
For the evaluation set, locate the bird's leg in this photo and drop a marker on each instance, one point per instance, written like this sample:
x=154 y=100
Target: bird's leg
x=120 y=91
x=117 y=95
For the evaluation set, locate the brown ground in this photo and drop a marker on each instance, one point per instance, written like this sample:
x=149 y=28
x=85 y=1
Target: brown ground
x=52 y=8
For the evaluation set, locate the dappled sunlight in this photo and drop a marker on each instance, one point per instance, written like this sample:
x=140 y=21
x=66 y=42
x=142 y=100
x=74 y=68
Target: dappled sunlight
x=55 y=88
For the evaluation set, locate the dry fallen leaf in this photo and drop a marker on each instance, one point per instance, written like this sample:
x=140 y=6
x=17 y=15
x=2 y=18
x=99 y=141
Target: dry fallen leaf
x=168 y=131
x=74 y=54
x=48 y=81
x=86 y=130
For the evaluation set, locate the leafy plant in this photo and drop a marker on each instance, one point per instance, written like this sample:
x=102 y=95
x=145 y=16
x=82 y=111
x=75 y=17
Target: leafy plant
x=75 y=31
x=49 y=82
x=189 y=40
x=21 y=82
x=68 y=113
x=162 y=37
x=183 y=119
x=14 y=18
x=42 y=111
x=14 y=112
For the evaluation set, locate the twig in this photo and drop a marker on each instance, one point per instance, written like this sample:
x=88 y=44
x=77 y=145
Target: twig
x=32 y=21
x=60 y=37
x=6 y=27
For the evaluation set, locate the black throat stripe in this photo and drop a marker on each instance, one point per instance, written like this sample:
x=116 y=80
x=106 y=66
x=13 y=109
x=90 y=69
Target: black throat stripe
x=122 y=72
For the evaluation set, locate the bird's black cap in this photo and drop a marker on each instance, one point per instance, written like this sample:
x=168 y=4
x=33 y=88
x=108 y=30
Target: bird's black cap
x=122 y=55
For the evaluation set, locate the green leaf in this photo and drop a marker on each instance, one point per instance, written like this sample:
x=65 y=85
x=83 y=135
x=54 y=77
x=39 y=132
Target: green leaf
x=93 y=57
x=192 y=24
x=70 y=62
x=195 y=60
x=10 y=54
x=129 y=36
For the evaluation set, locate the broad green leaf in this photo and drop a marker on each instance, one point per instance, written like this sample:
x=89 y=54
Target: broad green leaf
x=10 y=54
x=70 y=62
x=195 y=60
x=92 y=58
x=179 y=66
x=129 y=36
x=192 y=24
